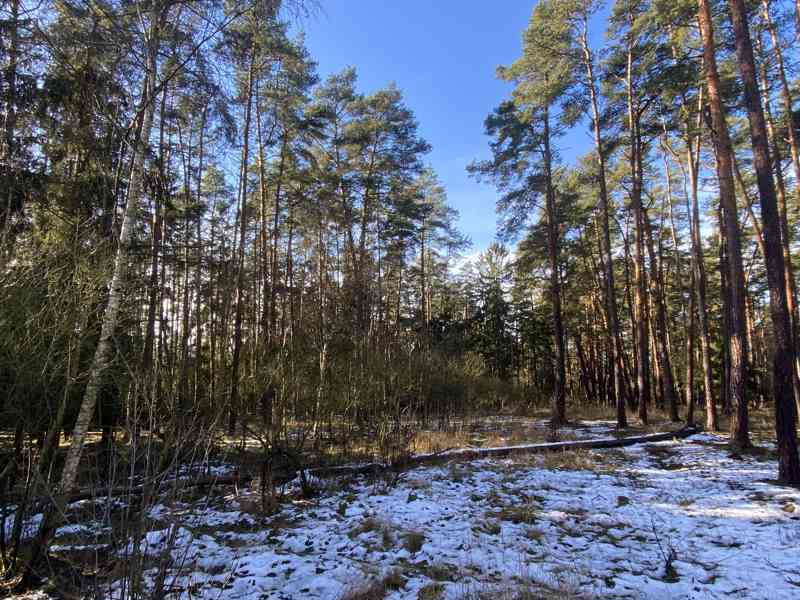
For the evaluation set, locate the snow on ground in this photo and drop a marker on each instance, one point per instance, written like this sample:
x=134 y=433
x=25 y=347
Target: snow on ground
x=678 y=519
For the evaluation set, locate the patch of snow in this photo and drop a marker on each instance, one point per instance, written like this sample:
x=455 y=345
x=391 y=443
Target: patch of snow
x=611 y=532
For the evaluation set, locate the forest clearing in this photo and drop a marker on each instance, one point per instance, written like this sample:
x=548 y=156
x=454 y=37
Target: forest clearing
x=353 y=300
x=682 y=518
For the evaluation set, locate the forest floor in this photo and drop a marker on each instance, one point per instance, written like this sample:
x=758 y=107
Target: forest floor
x=676 y=519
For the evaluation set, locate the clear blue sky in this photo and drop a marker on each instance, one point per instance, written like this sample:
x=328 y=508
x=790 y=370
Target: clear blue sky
x=442 y=54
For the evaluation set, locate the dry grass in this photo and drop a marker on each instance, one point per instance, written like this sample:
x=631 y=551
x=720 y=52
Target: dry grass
x=429 y=442
x=533 y=534
x=491 y=435
x=592 y=412
x=762 y=425
x=575 y=460
x=367 y=524
x=570 y=460
x=413 y=541
x=490 y=526
x=523 y=588
x=376 y=589
x=519 y=514
x=432 y=591
x=441 y=572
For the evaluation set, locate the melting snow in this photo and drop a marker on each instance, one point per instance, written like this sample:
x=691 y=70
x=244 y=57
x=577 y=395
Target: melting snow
x=607 y=531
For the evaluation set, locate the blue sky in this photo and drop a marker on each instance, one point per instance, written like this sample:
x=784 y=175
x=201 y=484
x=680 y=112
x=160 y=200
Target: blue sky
x=442 y=54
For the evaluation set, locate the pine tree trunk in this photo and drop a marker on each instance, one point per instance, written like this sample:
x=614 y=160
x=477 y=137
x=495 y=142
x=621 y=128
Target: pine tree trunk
x=725 y=293
x=233 y=401
x=152 y=304
x=783 y=362
x=273 y=298
x=786 y=93
x=608 y=262
x=558 y=407
x=780 y=184
x=422 y=278
x=264 y=236
x=198 y=272
x=724 y=154
x=183 y=378
x=640 y=310
x=670 y=396
x=10 y=131
x=699 y=281
x=631 y=370
x=641 y=315
x=690 y=335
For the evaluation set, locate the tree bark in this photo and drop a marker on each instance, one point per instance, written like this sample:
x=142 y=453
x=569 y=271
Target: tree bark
x=783 y=362
x=641 y=316
x=724 y=157
x=273 y=299
x=558 y=406
x=608 y=262
x=780 y=183
x=786 y=93
x=700 y=282
x=670 y=396
x=103 y=354
x=198 y=273
x=155 y=254
x=690 y=335
x=233 y=400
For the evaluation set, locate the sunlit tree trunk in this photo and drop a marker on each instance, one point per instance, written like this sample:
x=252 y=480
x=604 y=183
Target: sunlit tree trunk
x=155 y=253
x=670 y=397
x=640 y=308
x=699 y=280
x=724 y=157
x=608 y=262
x=783 y=362
x=103 y=354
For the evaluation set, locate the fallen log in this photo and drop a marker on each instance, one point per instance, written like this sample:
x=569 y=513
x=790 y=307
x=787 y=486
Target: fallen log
x=499 y=452
x=505 y=451
x=378 y=468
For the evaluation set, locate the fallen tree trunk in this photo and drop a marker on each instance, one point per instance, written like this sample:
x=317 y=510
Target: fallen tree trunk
x=377 y=468
x=499 y=452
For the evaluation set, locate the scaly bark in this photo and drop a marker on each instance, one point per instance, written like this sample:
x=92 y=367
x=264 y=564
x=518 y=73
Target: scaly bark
x=724 y=157
x=783 y=361
x=786 y=237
